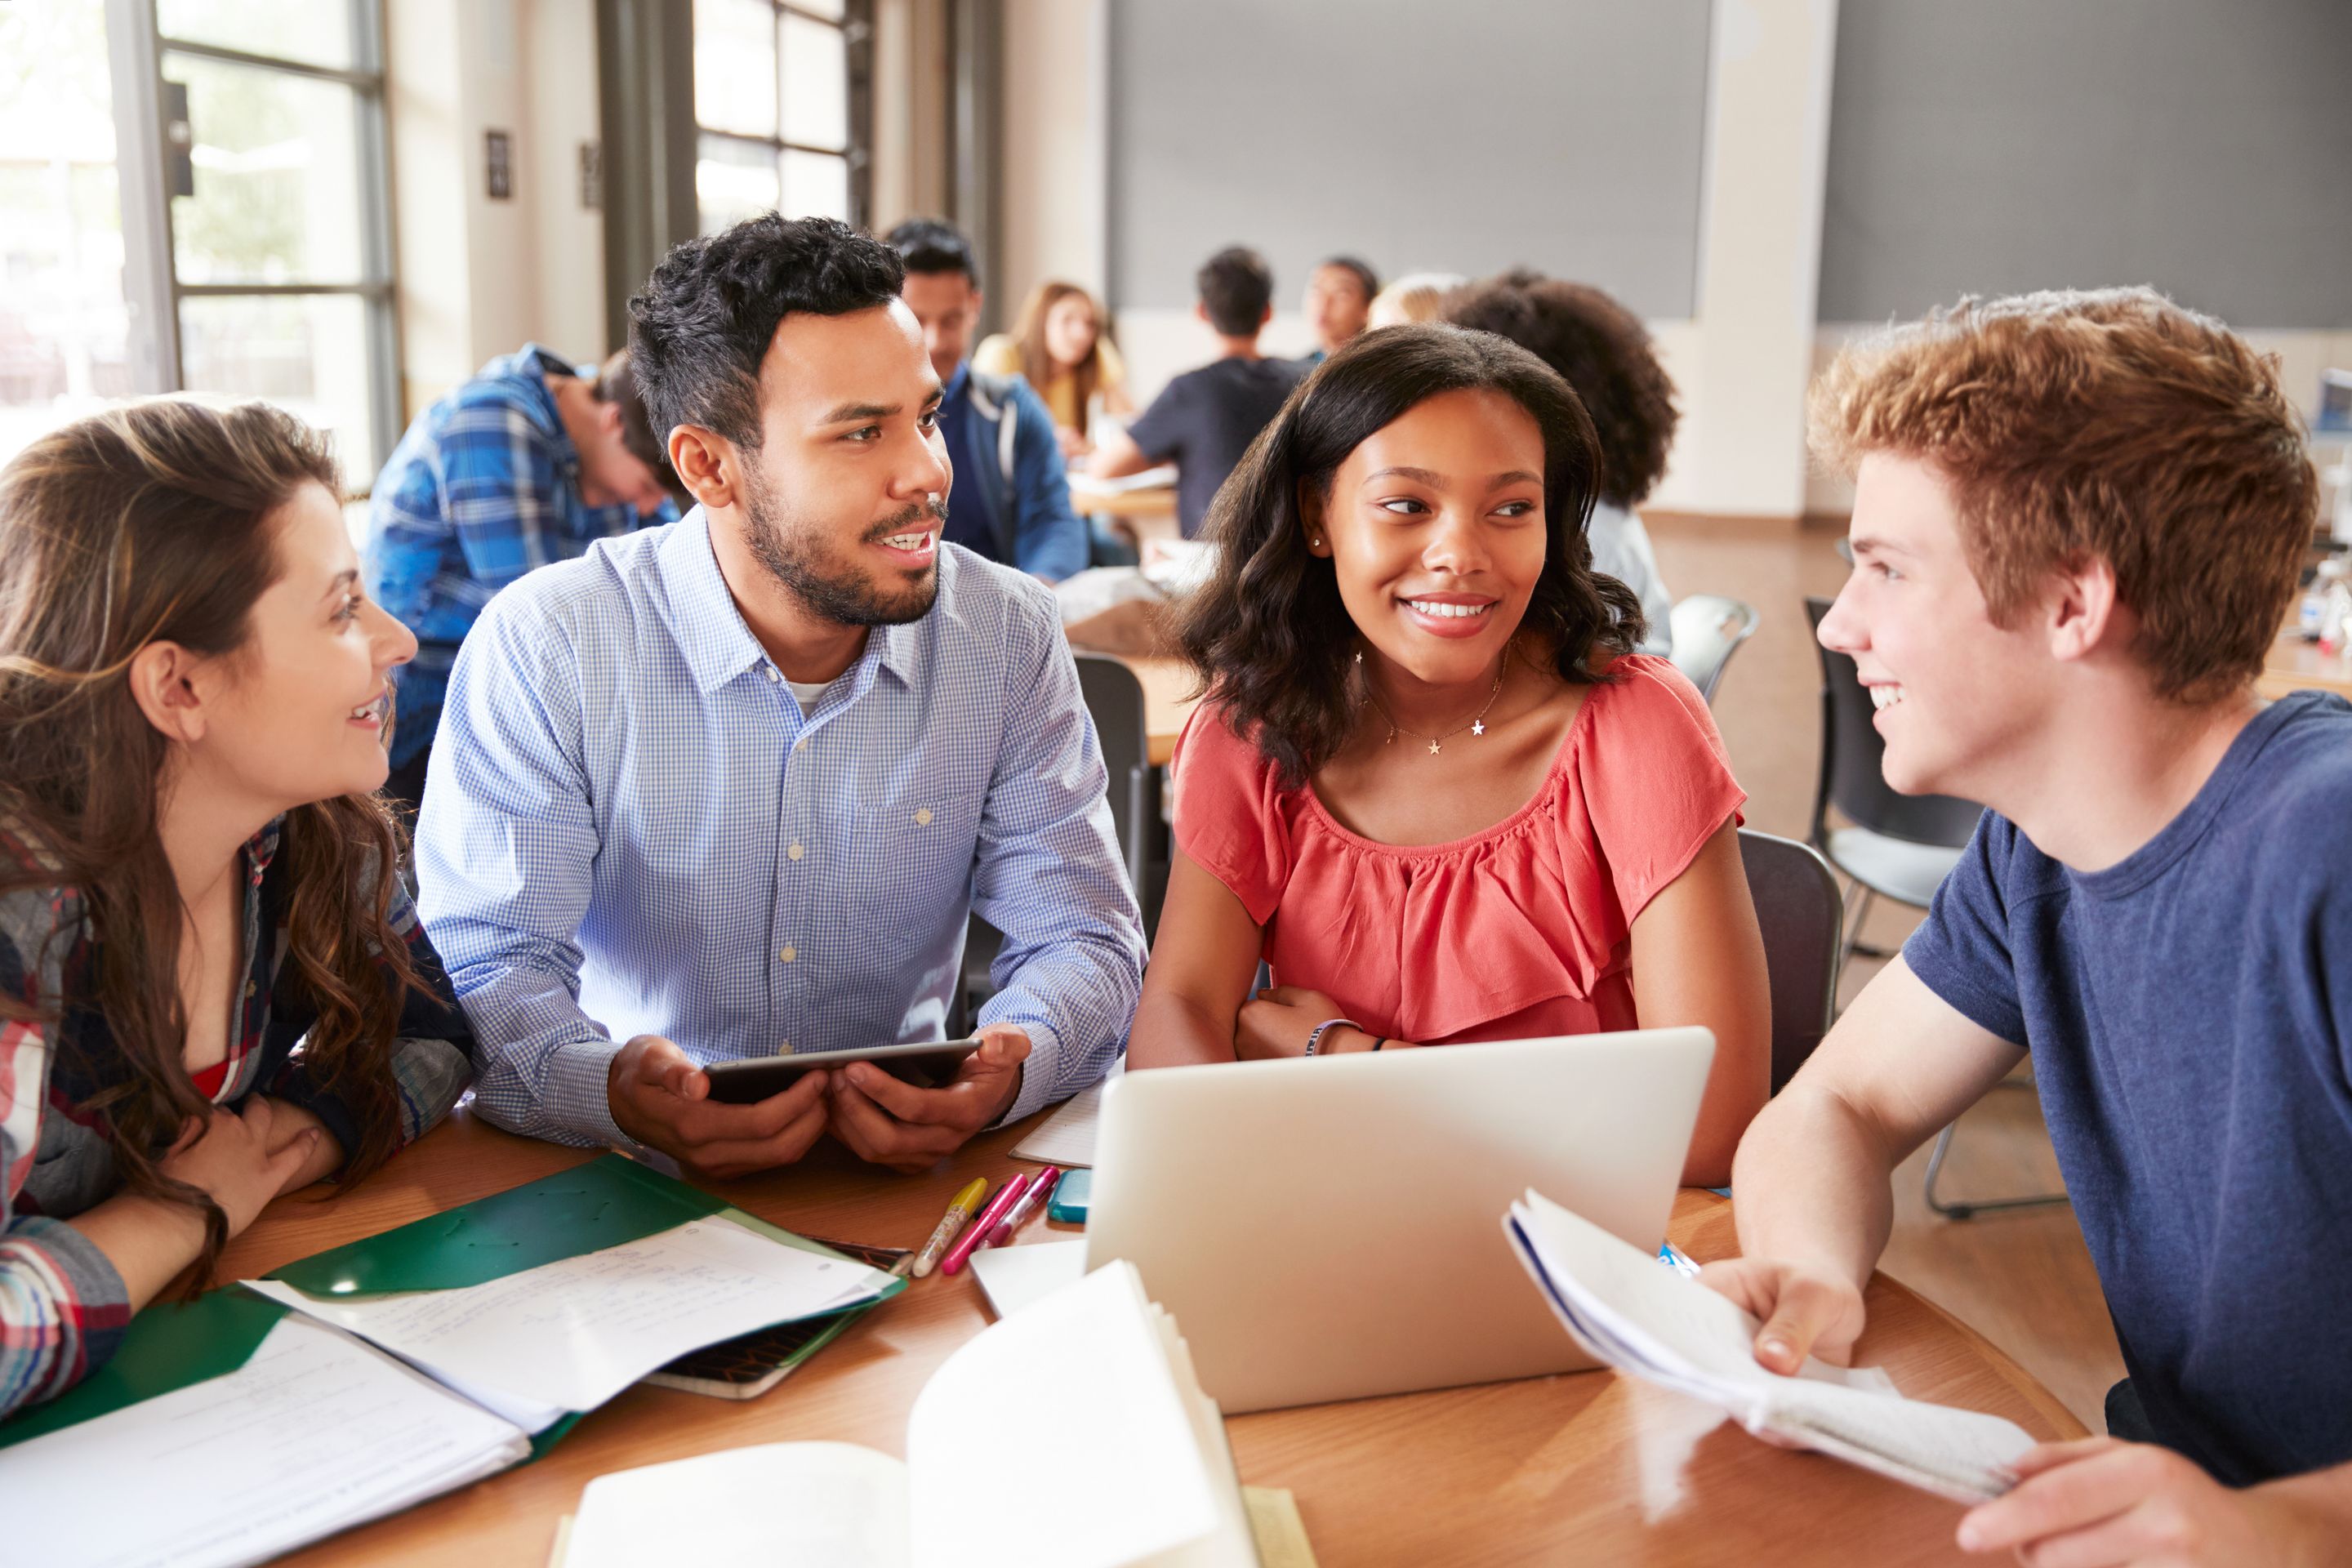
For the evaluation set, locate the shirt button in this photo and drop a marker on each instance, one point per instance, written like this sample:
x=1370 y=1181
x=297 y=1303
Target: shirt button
x=783 y=1048
x=789 y=954
x=923 y=817
x=801 y=744
x=795 y=852
x=772 y=676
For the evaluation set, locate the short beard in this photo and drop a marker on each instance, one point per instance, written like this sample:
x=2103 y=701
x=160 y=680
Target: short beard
x=787 y=546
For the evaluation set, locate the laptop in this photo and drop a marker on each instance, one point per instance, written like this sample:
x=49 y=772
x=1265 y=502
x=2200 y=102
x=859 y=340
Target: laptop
x=1329 y=1227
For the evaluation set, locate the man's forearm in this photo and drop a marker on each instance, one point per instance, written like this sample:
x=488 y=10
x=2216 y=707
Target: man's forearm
x=2314 y=1512
x=1812 y=1185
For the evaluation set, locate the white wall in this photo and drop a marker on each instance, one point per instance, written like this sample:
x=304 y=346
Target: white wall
x=479 y=278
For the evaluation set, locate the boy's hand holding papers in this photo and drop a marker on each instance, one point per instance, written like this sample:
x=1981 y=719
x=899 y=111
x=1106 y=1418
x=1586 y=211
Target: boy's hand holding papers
x=1653 y=1323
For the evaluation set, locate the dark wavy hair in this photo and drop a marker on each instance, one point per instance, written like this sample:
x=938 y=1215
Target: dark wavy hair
x=159 y=522
x=1267 y=634
x=699 y=329
x=1603 y=350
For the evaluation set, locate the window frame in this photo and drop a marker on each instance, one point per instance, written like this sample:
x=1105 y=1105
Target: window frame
x=855 y=25
x=138 y=54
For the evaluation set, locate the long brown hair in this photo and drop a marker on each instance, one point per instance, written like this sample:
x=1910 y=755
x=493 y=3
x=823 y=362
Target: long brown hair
x=1039 y=367
x=157 y=522
x=1267 y=634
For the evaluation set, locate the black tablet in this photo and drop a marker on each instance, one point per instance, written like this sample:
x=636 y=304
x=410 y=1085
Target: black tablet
x=925 y=1063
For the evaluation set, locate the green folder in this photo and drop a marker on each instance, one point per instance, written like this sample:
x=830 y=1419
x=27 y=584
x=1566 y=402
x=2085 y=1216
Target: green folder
x=607 y=1202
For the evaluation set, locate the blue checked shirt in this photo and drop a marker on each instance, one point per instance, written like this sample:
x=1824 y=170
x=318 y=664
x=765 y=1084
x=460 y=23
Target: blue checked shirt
x=484 y=488
x=632 y=828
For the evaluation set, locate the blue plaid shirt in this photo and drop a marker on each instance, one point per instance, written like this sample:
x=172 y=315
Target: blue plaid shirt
x=484 y=487
x=633 y=828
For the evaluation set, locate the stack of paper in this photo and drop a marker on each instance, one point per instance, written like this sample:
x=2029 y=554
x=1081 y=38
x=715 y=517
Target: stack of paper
x=315 y=1432
x=1067 y=1137
x=571 y=1334
x=1123 y=1464
x=1657 y=1325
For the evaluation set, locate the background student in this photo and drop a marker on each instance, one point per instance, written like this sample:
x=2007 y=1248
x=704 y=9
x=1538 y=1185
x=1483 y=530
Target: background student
x=1339 y=300
x=1205 y=419
x=1603 y=350
x=1430 y=784
x=194 y=871
x=2077 y=525
x=1058 y=346
x=1010 y=499
x=527 y=462
x=1415 y=297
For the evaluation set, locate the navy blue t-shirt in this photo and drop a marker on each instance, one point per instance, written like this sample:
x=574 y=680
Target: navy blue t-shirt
x=2190 y=1013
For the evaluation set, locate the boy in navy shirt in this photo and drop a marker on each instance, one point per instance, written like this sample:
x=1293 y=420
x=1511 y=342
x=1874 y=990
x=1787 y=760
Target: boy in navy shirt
x=2077 y=525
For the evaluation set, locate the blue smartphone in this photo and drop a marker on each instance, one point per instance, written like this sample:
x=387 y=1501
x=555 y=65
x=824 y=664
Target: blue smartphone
x=1070 y=1194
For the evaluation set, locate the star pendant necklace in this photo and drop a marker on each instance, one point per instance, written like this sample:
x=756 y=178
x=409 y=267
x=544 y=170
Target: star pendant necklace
x=1477 y=725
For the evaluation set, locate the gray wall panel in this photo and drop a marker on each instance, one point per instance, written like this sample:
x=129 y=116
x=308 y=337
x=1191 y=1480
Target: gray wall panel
x=1565 y=134
x=2204 y=146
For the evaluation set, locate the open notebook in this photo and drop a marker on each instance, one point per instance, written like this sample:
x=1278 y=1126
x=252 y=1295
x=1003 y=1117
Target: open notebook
x=1120 y=1459
x=1066 y=1138
x=1660 y=1326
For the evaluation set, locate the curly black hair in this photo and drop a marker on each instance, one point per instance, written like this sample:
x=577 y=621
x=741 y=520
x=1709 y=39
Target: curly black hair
x=698 y=331
x=1267 y=634
x=1603 y=350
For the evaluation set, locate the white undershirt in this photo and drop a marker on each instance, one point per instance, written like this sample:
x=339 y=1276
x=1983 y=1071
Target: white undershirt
x=809 y=694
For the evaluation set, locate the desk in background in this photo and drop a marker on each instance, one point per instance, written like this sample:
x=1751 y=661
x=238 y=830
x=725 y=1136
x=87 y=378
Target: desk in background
x=2294 y=665
x=1588 y=1466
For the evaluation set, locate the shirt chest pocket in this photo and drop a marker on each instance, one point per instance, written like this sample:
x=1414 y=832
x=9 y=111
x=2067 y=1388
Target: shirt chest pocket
x=916 y=854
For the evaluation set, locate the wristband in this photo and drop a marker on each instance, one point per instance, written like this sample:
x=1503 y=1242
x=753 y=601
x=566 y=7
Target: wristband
x=1324 y=1028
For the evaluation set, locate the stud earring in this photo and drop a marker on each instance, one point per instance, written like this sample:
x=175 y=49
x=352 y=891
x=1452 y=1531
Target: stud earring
x=1315 y=542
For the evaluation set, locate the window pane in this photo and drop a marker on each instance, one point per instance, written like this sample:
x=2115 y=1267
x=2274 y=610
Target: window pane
x=816 y=84
x=64 y=329
x=316 y=32
x=819 y=8
x=733 y=180
x=816 y=184
x=307 y=354
x=735 y=65
x=276 y=177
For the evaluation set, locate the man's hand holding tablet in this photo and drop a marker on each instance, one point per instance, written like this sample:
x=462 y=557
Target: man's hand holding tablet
x=661 y=1098
x=911 y=1128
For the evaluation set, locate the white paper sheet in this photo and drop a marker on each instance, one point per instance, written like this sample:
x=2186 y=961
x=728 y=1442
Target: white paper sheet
x=830 y=1503
x=1672 y=1331
x=1018 y=1276
x=574 y=1333
x=315 y=1432
x=1066 y=1138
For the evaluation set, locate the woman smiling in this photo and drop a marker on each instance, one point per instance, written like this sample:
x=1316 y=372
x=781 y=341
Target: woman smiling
x=212 y=987
x=1429 y=785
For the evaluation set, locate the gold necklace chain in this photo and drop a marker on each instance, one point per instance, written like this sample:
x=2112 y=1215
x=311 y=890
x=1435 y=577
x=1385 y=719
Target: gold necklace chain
x=1476 y=726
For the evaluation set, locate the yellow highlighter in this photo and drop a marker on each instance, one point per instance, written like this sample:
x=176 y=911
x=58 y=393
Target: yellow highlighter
x=959 y=1213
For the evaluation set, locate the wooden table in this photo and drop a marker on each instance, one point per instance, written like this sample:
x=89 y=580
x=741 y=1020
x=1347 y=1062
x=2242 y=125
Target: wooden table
x=1586 y=1467
x=2294 y=665
x=1149 y=504
x=1167 y=701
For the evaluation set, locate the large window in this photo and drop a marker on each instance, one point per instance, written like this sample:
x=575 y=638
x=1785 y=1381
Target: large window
x=779 y=109
x=192 y=197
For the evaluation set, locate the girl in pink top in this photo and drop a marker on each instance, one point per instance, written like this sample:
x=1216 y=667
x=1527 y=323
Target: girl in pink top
x=1431 y=786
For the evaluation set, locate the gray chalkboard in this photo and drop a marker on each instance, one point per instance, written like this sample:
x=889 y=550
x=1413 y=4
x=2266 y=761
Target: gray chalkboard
x=1466 y=137
x=1990 y=146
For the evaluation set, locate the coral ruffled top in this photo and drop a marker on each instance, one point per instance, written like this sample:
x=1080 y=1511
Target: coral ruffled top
x=1522 y=930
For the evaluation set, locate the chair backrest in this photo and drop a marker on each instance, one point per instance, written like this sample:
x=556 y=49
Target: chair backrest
x=1803 y=916
x=1708 y=629
x=1115 y=698
x=1850 y=751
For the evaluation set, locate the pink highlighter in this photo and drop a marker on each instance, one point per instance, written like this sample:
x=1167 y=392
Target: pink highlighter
x=975 y=1234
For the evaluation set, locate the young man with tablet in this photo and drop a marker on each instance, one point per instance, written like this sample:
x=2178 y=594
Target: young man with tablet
x=2077 y=525
x=734 y=787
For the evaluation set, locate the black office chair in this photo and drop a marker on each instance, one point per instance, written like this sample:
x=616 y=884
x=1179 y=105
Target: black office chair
x=1114 y=699
x=1900 y=846
x=1802 y=918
